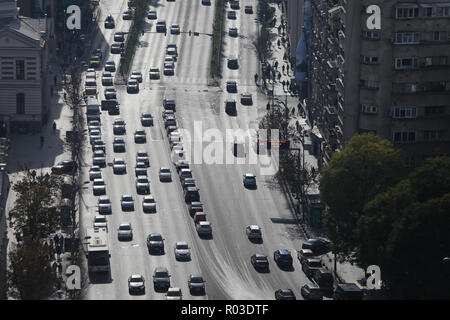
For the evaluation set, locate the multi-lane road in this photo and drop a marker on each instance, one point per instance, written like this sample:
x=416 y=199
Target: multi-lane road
x=224 y=260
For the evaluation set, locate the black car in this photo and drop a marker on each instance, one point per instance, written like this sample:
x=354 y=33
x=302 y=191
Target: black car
x=324 y=279
x=285 y=294
x=310 y=265
x=311 y=292
x=191 y=194
x=318 y=246
x=155 y=243
x=231 y=86
x=259 y=261
x=196 y=284
x=161 y=26
x=169 y=104
x=65 y=167
x=109 y=22
x=195 y=206
x=161 y=278
x=146 y=119
x=283 y=257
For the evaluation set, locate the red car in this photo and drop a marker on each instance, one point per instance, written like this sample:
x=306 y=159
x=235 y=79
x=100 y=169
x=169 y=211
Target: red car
x=199 y=216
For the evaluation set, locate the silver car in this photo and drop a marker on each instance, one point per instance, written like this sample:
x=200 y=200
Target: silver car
x=141 y=169
x=104 y=205
x=182 y=251
x=99 y=187
x=142 y=185
x=136 y=284
x=140 y=136
x=99 y=158
x=142 y=156
x=125 y=232
x=137 y=75
x=119 y=166
x=148 y=204
x=164 y=174
x=132 y=86
x=127 y=203
x=95 y=173
x=100 y=222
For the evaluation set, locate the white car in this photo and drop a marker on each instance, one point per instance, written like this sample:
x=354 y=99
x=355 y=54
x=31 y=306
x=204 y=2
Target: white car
x=164 y=174
x=172 y=52
x=137 y=75
x=169 y=59
x=169 y=69
x=110 y=66
x=132 y=86
x=253 y=232
x=100 y=222
x=175 y=29
x=107 y=79
x=174 y=294
x=154 y=73
x=152 y=15
x=182 y=251
x=119 y=166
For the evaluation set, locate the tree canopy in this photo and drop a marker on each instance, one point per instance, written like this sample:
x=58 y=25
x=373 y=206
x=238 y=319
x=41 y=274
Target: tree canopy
x=367 y=166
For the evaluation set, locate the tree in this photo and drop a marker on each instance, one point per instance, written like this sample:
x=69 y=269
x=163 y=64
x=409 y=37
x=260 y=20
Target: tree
x=405 y=231
x=367 y=166
x=35 y=214
x=30 y=275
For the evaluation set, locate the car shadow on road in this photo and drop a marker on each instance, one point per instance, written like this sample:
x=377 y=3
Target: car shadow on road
x=287 y=268
x=97 y=278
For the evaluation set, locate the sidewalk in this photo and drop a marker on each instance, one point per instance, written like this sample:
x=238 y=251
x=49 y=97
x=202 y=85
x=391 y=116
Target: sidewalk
x=280 y=53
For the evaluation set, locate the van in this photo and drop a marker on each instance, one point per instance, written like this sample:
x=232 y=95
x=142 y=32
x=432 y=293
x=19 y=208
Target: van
x=230 y=106
x=324 y=279
x=348 y=291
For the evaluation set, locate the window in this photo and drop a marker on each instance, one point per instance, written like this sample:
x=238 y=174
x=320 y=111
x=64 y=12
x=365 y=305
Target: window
x=404 y=112
x=405 y=87
x=438 y=36
x=368 y=109
x=406 y=13
x=435 y=86
x=20 y=69
x=434 y=110
x=371 y=35
x=406 y=63
x=20 y=103
x=433 y=135
x=406 y=37
x=369 y=60
x=404 y=136
x=434 y=61
x=369 y=84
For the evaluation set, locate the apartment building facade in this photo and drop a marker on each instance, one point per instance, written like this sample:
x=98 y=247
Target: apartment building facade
x=393 y=80
x=25 y=77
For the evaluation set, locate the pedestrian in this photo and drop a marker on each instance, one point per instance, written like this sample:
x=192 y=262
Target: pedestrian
x=268 y=106
x=279 y=76
x=278 y=43
x=279 y=29
x=287 y=84
x=285 y=56
x=282 y=68
x=276 y=64
x=42 y=141
x=293 y=110
x=283 y=83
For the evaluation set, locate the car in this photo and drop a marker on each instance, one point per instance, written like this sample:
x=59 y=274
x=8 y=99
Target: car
x=136 y=284
x=188 y=182
x=181 y=164
x=113 y=108
x=127 y=202
x=196 y=284
x=182 y=251
x=304 y=254
x=65 y=167
x=248 y=9
x=140 y=169
x=318 y=246
x=185 y=173
x=170 y=51
x=204 y=229
x=253 y=232
x=155 y=242
x=94 y=62
x=231 y=15
x=177 y=146
x=90 y=82
x=91 y=74
x=246 y=99
x=142 y=185
x=98 y=52
x=174 y=294
x=119 y=126
x=137 y=75
x=348 y=291
x=161 y=278
x=170 y=121
x=119 y=36
x=132 y=86
x=169 y=59
x=234 y=4
x=142 y=156
x=154 y=73
x=99 y=158
x=169 y=104
x=109 y=22
x=94 y=135
x=233 y=32
x=285 y=294
x=171 y=129
x=231 y=86
x=107 y=79
x=206 y=2
x=311 y=292
x=116 y=48
x=100 y=222
x=230 y=106
x=259 y=261
x=118 y=144
x=152 y=15
x=161 y=26
x=125 y=232
x=148 y=204
x=310 y=265
x=195 y=206
x=249 y=180
x=95 y=173
x=324 y=279
x=146 y=119
x=199 y=217
x=98 y=145
x=168 y=69
x=283 y=257
x=104 y=205
x=127 y=15
x=110 y=94
x=176 y=154
x=99 y=187
x=140 y=136
x=165 y=175
x=173 y=46
x=119 y=166
x=232 y=62
x=174 y=29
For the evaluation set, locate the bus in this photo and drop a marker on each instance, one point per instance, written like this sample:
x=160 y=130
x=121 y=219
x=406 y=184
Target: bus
x=98 y=250
x=92 y=108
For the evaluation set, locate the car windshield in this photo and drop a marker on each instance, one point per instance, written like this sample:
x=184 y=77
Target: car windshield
x=139 y=132
x=261 y=258
x=174 y=293
x=182 y=246
x=96 y=169
x=161 y=274
x=149 y=200
x=99 y=183
x=136 y=280
x=127 y=198
x=141 y=165
x=165 y=170
x=100 y=219
x=119 y=122
x=155 y=238
x=119 y=162
x=142 y=153
x=125 y=227
x=104 y=201
x=196 y=279
x=142 y=180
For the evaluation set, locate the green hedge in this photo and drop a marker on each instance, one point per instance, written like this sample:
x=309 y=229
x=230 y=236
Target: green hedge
x=215 y=68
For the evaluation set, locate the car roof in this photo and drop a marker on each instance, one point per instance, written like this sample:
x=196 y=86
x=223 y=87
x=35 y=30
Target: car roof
x=284 y=251
x=250 y=175
x=125 y=225
x=254 y=227
x=181 y=243
x=204 y=223
x=136 y=276
x=259 y=255
x=161 y=269
x=148 y=197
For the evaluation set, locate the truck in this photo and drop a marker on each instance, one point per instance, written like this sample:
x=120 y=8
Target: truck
x=98 y=250
x=92 y=108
